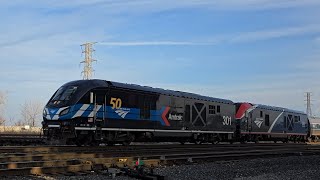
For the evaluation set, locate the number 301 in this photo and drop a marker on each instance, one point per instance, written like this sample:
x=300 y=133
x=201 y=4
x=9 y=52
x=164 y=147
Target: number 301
x=226 y=120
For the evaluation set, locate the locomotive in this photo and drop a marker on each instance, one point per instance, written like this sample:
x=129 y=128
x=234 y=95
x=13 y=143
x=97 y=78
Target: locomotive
x=90 y=112
x=262 y=122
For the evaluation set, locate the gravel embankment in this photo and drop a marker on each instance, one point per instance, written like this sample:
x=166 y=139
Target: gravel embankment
x=298 y=167
x=295 y=167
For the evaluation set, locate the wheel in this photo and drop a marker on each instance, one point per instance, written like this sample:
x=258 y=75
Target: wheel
x=110 y=143
x=256 y=140
x=70 y=141
x=130 y=138
x=94 y=143
x=215 y=142
x=309 y=140
x=80 y=140
x=243 y=142
x=84 y=139
x=126 y=143
x=216 y=139
x=78 y=143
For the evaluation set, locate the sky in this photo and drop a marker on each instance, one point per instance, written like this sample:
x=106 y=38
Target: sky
x=259 y=51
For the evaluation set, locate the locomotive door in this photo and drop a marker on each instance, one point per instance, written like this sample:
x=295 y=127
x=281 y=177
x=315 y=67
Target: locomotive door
x=249 y=120
x=99 y=106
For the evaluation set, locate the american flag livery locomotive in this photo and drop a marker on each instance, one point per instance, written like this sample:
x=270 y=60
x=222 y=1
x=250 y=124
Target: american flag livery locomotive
x=257 y=122
x=99 y=111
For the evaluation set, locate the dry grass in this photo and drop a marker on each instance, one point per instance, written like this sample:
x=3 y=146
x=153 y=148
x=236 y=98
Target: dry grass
x=19 y=130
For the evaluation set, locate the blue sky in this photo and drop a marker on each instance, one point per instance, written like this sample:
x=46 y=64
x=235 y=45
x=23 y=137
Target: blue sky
x=261 y=51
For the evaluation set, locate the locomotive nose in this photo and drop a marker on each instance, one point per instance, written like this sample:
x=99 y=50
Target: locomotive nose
x=55 y=113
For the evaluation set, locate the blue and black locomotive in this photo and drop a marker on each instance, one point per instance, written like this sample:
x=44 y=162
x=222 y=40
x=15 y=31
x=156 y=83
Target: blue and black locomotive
x=90 y=112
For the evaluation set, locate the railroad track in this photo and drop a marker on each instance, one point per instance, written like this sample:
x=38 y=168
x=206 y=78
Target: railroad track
x=152 y=147
x=21 y=139
x=71 y=159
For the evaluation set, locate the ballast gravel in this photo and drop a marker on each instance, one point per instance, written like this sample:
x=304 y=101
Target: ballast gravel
x=294 y=167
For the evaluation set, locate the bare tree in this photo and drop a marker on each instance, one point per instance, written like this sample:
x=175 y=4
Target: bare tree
x=2 y=120
x=19 y=123
x=31 y=112
x=3 y=100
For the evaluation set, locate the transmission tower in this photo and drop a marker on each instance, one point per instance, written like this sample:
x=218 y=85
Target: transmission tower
x=308 y=100
x=87 y=50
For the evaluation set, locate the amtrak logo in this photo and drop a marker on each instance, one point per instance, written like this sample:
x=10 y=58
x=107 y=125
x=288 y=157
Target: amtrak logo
x=258 y=122
x=175 y=117
x=122 y=112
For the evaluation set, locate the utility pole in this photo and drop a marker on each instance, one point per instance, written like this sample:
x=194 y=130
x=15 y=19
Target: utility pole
x=87 y=50
x=308 y=100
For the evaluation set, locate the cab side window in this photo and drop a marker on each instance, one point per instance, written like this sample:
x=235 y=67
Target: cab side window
x=85 y=99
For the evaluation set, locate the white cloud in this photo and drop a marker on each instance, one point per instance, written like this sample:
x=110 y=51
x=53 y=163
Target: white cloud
x=143 y=6
x=56 y=38
x=309 y=63
x=241 y=37
x=160 y=5
x=275 y=33
x=41 y=25
x=154 y=43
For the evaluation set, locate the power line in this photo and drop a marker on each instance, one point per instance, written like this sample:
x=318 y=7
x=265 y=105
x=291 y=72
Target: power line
x=87 y=50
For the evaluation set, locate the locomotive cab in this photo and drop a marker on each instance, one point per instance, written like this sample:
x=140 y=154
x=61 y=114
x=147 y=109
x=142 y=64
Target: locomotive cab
x=69 y=107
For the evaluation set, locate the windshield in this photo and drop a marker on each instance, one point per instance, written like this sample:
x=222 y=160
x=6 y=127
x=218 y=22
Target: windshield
x=62 y=95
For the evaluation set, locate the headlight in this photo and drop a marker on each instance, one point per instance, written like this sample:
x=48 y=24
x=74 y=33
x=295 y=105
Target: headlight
x=64 y=112
x=44 y=113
